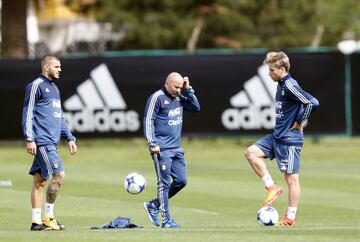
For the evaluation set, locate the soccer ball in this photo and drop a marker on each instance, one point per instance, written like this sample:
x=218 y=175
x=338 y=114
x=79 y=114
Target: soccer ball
x=134 y=183
x=267 y=216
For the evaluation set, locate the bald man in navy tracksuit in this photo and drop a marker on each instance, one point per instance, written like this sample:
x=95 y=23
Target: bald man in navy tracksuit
x=162 y=128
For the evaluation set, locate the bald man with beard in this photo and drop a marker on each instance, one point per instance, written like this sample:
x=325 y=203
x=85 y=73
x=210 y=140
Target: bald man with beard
x=162 y=128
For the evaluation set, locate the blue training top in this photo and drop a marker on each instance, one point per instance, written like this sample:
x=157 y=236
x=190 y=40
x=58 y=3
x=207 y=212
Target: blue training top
x=42 y=116
x=292 y=104
x=164 y=116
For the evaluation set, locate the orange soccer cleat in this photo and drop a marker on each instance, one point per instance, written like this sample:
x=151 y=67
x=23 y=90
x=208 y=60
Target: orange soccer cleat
x=273 y=192
x=286 y=222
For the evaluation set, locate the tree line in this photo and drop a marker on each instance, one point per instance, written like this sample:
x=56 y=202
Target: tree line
x=202 y=24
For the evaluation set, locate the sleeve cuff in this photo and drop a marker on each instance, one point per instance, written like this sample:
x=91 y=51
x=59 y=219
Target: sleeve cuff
x=189 y=90
x=152 y=145
x=72 y=139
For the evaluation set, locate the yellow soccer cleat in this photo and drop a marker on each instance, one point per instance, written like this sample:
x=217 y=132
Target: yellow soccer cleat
x=61 y=226
x=50 y=223
x=273 y=192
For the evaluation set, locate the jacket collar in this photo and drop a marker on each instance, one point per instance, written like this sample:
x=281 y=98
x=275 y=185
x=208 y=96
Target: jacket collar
x=166 y=92
x=282 y=81
x=45 y=78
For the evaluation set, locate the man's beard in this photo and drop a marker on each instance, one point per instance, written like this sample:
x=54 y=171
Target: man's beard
x=53 y=77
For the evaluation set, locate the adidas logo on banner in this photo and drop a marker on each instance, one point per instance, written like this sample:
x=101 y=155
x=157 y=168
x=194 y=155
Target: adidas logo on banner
x=99 y=106
x=254 y=107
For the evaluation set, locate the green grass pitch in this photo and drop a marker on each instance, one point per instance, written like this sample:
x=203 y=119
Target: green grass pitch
x=219 y=203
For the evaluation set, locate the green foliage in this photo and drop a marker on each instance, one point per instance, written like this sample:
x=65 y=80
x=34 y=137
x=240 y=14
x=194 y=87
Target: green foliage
x=168 y=24
x=149 y=24
x=339 y=17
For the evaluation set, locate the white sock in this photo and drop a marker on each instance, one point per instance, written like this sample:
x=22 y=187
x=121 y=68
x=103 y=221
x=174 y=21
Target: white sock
x=36 y=215
x=291 y=214
x=268 y=181
x=49 y=210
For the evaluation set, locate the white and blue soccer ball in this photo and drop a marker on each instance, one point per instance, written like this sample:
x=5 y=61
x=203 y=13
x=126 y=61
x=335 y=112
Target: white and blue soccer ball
x=267 y=216
x=134 y=183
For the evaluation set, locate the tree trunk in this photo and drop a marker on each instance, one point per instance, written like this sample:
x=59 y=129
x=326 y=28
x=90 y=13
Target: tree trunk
x=191 y=44
x=13 y=30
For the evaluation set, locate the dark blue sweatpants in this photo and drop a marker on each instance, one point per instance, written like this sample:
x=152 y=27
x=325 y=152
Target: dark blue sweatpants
x=170 y=168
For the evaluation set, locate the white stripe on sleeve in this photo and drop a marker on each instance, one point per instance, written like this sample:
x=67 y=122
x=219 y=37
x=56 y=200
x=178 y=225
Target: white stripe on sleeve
x=149 y=115
x=30 y=111
x=292 y=89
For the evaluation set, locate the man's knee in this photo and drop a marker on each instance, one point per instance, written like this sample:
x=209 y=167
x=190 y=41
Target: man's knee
x=251 y=152
x=247 y=152
x=181 y=182
x=292 y=179
x=40 y=184
x=38 y=181
x=59 y=177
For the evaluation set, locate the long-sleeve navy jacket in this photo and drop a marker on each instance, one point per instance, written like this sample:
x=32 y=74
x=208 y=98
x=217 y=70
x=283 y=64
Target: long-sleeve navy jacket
x=293 y=104
x=164 y=116
x=42 y=117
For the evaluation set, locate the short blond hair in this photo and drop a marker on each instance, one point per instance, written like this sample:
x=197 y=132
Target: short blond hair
x=279 y=59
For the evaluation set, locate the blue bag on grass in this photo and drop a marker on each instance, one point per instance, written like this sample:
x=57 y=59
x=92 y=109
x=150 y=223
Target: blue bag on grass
x=118 y=223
